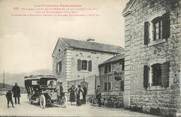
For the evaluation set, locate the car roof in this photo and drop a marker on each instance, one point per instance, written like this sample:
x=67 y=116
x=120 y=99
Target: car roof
x=37 y=77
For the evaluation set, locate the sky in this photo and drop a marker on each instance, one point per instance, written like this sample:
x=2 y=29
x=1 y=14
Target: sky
x=27 y=42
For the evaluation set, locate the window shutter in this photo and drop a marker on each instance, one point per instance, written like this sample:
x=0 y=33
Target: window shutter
x=166 y=25
x=90 y=65
x=105 y=86
x=109 y=86
x=122 y=85
x=165 y=74
x=146 y=33
x=56 y=67
x=146 y=76
x=79 y=64
x=60 y=66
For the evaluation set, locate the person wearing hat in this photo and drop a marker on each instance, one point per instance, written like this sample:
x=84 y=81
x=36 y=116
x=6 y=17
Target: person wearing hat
x=16 y=93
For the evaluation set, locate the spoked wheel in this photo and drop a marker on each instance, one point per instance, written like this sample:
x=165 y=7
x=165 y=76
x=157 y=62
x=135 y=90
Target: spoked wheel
x=42 y=101
x=29 y=99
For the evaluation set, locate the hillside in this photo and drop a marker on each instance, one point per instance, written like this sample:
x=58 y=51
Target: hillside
x=9 y=87
x=11 y=78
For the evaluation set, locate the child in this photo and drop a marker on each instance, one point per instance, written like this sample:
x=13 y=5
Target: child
x=9 y=98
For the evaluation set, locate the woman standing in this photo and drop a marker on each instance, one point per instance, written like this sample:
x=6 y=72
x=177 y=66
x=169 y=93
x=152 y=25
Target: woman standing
x=72 y=90
x=79 y=95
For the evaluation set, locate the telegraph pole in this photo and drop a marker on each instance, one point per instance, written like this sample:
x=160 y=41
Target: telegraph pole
x=3 y=79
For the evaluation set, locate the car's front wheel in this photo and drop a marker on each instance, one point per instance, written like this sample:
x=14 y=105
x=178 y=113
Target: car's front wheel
x=42 y=101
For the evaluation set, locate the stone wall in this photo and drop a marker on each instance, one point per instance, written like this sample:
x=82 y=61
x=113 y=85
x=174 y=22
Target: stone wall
x=137 y=55
x=96 y=58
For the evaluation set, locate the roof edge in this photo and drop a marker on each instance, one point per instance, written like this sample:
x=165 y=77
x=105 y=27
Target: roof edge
x=127 y=10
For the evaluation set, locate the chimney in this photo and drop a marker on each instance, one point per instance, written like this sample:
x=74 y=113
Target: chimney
x=90 y=40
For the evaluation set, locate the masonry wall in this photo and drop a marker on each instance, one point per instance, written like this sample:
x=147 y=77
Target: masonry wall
x=60 y=55
x=137 y=55
x=96 y=58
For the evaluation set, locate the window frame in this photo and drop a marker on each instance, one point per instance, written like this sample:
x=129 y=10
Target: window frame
x=59 y=67
x=84 y=65
x=152 y=38
x=150 y=78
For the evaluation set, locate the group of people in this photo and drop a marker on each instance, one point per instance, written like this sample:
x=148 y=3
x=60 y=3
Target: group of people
x=78 y=94
x=15 y=92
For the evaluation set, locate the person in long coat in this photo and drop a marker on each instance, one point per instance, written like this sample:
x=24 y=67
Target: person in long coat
x=16 y=93
x=84 y=94
x=79 y=95
x=72 y=91
x=60 y=92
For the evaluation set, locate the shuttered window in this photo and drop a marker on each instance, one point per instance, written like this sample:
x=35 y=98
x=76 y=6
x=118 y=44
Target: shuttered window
x=161 y=28
x=146 y=76
x=160 y=75
x=84 y=65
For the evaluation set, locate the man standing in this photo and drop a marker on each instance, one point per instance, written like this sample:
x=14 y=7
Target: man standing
x=98 y=95
x=60 y=92
x=79 y=95
x=16 y=93
x=84 y=94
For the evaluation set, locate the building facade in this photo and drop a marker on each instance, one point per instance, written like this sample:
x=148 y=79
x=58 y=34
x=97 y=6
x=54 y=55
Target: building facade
x=153 y=56
x=75 y=61
x=111 y=74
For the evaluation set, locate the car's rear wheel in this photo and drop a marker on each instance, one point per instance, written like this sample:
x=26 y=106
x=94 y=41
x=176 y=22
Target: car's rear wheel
x=42 y=101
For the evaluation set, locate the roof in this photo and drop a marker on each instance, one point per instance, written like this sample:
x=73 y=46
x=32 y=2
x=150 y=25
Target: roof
x=93 y=46
x=113 y=59
x=128 y=6
x=39 y=76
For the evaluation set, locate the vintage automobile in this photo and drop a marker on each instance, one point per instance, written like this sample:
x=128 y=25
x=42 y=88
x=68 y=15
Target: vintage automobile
x=42 y=89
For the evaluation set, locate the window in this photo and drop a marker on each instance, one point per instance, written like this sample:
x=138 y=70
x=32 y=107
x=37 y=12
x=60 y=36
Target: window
x=107 y=86
x=157 y=29
x=59 y=67
x=156 y=75
x=107 y=68
x=84 y=65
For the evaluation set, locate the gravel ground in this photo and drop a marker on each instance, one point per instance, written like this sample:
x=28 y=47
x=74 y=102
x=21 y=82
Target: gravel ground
x=26 y=109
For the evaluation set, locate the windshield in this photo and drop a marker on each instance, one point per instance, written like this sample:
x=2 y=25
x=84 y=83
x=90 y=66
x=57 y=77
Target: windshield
x=51 y=83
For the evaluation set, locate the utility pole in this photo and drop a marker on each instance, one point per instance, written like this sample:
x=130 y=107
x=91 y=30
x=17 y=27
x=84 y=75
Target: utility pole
x=3 y=79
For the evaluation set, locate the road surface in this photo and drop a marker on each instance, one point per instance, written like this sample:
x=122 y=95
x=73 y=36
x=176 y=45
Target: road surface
x=26 y=109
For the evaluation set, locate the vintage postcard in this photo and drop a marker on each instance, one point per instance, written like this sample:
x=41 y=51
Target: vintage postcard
x=90 y=58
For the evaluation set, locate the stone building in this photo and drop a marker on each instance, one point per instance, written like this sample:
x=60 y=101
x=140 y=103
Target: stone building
x=75 y=61
x=111 y=75
x=152 y=56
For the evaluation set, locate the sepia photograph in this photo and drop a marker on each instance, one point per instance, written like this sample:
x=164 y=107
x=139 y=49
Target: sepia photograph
x=90 y=58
